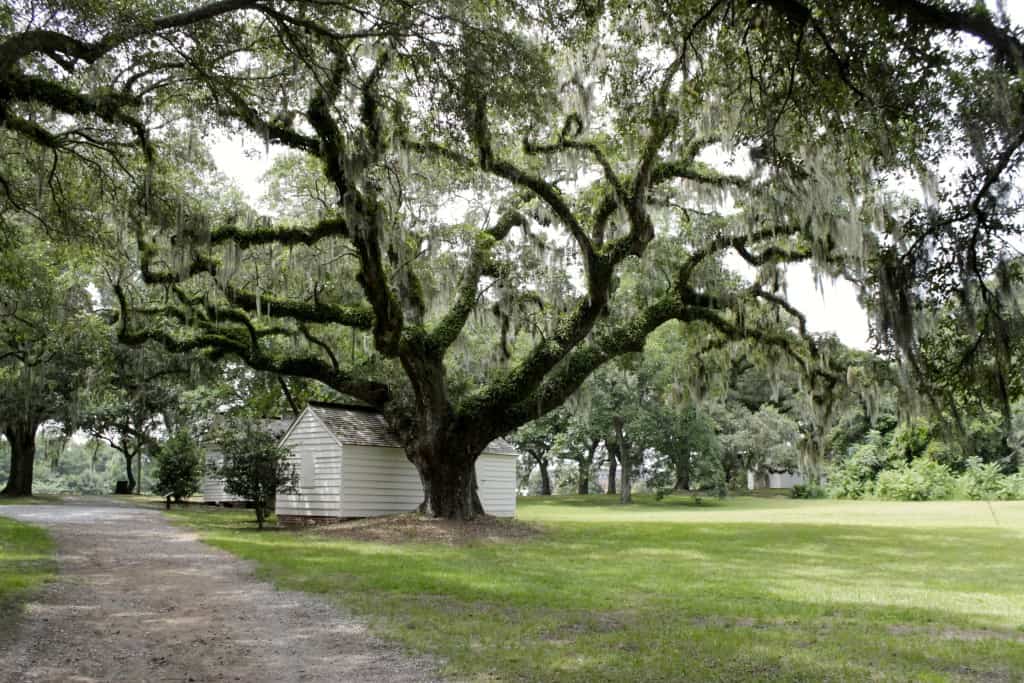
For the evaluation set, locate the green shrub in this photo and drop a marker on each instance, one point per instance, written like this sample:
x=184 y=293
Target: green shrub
x=255 y=467
x=944 y=453
x=1011 y=487
x=810 y=490
x=179 y=467
x=854 y=476
x=909 y=440
x=923 y=479
x=980 y=480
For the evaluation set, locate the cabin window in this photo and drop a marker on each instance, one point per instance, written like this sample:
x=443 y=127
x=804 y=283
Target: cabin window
x=308 y=468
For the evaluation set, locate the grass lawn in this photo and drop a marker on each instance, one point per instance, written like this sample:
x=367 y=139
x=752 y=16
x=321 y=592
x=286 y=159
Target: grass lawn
x=26 y=561
x=749 y=589
x=40 y=499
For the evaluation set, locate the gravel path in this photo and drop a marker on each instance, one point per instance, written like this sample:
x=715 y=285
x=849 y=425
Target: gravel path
x=140 y=600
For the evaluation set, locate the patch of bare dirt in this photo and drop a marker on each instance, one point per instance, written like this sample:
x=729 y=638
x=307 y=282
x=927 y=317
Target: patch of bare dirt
x=415 y=528
x=968 y=634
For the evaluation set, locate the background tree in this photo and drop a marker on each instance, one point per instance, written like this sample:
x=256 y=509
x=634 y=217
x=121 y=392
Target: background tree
x=136 y=388
x=580 y=442
x=47 y=336
x=537 y=441
x=762 y=442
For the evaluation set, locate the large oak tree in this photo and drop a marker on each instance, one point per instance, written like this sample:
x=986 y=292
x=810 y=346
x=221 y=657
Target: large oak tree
x=463 y=146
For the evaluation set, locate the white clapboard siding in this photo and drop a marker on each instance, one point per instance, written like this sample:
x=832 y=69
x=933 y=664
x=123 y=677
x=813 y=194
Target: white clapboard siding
x=316 y=457
x=775 y=480
x=212 y=489
x=496 y=482
x=378 y=480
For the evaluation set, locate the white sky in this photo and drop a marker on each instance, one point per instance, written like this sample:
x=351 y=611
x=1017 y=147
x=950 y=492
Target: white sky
x=831 y=308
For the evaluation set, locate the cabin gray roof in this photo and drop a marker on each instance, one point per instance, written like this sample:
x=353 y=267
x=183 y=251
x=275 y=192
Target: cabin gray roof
x=366 y=427
x=275 y=426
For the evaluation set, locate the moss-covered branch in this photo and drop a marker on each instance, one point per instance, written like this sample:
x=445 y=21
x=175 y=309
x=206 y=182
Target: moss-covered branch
x=66 y=49
x=111 y=107
x=358 y=317
x=542 y=189
x=283 y=235
x=364 y=213
x=244 y=343
x=447 y=330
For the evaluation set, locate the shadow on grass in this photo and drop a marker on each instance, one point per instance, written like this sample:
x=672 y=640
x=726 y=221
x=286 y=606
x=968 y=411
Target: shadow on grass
x=38 y=499
x=610 y=501
x=667 y=601
x=26 y=561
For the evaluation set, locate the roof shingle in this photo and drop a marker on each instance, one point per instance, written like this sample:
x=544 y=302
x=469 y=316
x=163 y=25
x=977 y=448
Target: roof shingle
x=366 y=427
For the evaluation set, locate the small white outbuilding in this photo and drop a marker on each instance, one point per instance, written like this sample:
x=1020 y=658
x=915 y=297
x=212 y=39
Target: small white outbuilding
x=771 y=479
x=212 y=487
x=350 y=464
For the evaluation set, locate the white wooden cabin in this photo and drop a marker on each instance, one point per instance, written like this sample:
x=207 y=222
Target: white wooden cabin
x=212 y=487
x=350 y=464
x=767 y=479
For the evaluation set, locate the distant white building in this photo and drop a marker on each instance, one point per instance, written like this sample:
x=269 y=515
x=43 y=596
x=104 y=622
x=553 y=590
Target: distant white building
x=766 y=479
x=350 y=464
x=212 y=489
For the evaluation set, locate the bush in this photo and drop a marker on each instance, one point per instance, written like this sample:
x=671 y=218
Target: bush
x=854 y=476
x=811 y=490
x=980 y=481
x=179 y=467
x=945 y=453
x=255 y=467
x=1011 y=487
x=923 y=479
x=909 y=440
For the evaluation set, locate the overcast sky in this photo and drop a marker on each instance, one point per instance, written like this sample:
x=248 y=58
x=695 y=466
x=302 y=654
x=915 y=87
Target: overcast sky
x=831 y=308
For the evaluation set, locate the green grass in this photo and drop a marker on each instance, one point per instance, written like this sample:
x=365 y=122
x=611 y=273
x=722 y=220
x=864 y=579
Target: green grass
x=748 y=589
x=39 y=499
x=26 y=561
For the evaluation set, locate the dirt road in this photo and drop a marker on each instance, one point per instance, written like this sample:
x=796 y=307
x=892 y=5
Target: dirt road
x=140 y=600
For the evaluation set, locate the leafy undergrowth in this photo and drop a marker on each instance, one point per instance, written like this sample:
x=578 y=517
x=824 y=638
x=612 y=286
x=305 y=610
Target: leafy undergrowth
x=743 y=589
x=26 y=561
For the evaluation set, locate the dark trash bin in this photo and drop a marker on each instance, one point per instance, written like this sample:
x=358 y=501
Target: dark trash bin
x=121 y=487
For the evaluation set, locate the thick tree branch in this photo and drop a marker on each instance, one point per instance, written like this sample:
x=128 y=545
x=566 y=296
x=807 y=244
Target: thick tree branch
x=447 y=330
x=245 y=238
x=364 y=214
x=545 y=191
x=976 y=21
x=54 y=44
x=224 y=341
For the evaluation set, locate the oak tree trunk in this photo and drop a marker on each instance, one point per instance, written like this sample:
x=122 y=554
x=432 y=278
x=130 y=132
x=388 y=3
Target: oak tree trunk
x=128 y=459
x=583 y=487
x=21 y=435
x=625 y=457
x=545 y=477
x=626 y=495
x=449 y=484
x=443 y=453
x=683 y=479
x=613 y=467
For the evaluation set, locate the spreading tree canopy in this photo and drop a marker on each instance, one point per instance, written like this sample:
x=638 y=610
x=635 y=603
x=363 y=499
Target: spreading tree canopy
x=487 y=203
